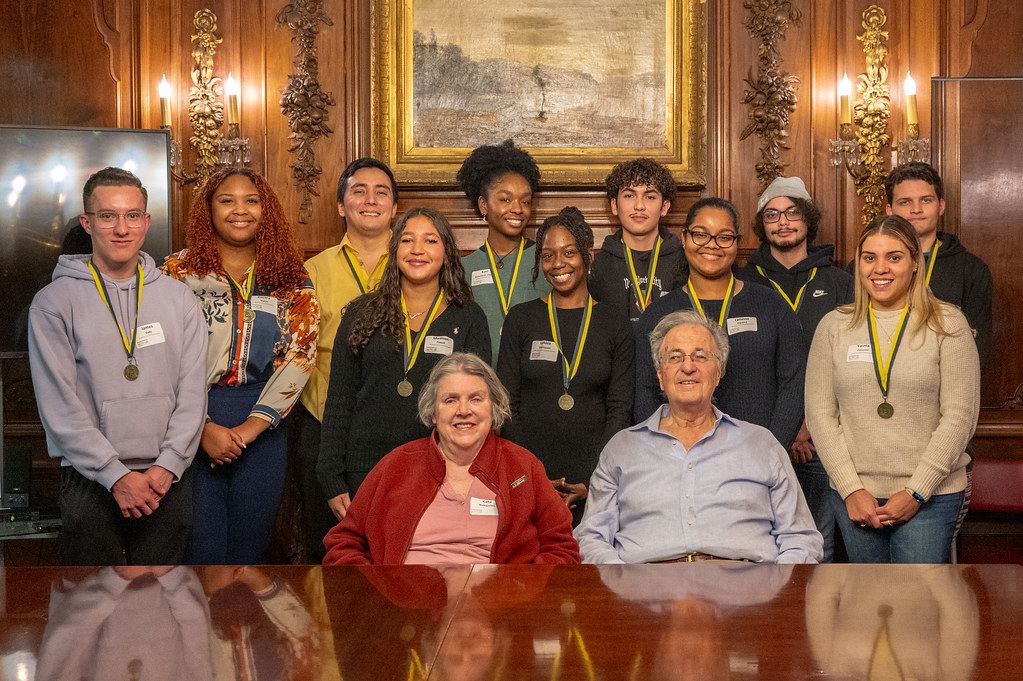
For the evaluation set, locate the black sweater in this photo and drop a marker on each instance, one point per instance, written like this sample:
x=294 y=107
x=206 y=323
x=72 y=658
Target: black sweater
x=364 y=418
x=567 y=442
x=763 y=381
x=611 y=283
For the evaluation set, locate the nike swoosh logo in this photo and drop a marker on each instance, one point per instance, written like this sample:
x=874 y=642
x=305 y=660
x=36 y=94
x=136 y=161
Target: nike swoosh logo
x=818 y=293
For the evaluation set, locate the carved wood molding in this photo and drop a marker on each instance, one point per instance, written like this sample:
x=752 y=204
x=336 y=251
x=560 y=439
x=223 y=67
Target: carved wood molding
x=304 y=102
x=205 y=111
x=111 y=38
x=872 y=111
x=771 y=95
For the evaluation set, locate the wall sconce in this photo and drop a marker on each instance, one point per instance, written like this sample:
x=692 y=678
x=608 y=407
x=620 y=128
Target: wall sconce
x=914 y=147
x=205 y=111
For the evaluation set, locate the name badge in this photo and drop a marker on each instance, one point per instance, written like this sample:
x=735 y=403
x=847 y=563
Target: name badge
x=859 y=353
x=544 y=350
x=482 y=506
x=739 y=324
x=150 y=334
x=266 y=304
x=438 y=345
x=481 y=277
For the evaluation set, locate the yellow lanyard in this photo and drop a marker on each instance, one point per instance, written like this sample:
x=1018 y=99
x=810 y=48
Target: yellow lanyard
x=245 y=293
x=412 y=353
x=568 y=371
x=363 y=285
x=883 y=369
x=726 y=304
x=505 y=301
x=129 y=344
x=932 y=257
x=641 y=295
x=799 y=296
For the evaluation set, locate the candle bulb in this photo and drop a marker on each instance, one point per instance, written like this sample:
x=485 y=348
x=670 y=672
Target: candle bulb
x=231 y=88
x=844 y=90
x=910 y=89
x=164 y=90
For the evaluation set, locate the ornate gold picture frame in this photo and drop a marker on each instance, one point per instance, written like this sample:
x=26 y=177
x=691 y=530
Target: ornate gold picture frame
x=581 y=91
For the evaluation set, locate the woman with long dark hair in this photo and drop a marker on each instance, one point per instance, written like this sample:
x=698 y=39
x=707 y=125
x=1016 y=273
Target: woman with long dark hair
x=243 y=265
x=388 y=341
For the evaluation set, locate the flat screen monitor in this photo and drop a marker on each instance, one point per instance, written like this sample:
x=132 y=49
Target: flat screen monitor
x=42 y=172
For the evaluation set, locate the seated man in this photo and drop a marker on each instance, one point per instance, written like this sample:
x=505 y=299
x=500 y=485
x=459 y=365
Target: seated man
x=691 y=483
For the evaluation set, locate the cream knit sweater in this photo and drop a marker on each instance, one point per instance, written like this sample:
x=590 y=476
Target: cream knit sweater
x=934 y=389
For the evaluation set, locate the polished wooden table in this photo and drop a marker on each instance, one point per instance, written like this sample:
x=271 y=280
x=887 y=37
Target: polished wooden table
x=690 y=621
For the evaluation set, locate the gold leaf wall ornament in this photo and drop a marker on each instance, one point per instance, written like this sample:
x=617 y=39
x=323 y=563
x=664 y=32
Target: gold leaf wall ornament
x=205 y=112
x=771 y=94
x=303 y=101
x=871 y=113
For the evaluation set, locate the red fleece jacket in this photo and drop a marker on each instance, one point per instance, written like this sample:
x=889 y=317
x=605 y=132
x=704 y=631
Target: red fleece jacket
x=533 y=526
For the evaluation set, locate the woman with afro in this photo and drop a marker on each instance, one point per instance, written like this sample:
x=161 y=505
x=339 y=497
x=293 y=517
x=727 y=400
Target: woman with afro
x=245 y=269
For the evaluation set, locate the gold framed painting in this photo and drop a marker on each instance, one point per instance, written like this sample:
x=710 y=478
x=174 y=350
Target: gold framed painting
x=581 y=85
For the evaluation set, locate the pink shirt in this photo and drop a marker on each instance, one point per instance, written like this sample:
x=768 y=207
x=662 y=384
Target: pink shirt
x=456 y=529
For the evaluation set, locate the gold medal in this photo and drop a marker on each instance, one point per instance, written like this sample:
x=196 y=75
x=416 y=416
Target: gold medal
x=566 y=402
x=405 y=388
x=249 y=315
x=131 y=372
x=885 y=410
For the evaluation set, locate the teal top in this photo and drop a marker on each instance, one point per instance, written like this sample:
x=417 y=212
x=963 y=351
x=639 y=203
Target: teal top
x=484 y=290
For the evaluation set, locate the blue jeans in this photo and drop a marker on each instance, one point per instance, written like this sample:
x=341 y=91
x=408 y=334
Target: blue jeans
x=926 y=538
x=817 y=490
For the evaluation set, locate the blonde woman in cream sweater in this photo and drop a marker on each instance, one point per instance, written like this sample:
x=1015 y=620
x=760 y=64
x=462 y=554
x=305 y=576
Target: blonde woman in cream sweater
x=892 y=398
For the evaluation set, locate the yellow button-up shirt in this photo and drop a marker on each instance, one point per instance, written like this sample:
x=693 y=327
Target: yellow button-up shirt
x=336 y=286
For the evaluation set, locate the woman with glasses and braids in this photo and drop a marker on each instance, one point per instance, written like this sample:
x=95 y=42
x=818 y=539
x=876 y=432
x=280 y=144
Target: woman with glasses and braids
x=243 y=265
x=764 y=381
x=567 y=362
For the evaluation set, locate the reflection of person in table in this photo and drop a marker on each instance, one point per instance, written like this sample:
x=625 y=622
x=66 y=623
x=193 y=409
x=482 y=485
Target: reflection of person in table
x=567 y=363
x=879 y=622
x=892 y=396
x=500 y=182
x=460 y=495
x=690 y=482
x=387 y=342
x=246 y=270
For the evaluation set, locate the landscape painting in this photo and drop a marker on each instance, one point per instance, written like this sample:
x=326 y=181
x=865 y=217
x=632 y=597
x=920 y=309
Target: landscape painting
x=582 y=85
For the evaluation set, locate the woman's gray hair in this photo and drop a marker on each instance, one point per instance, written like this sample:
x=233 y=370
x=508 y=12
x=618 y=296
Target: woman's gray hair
x=687 y=318
x=464 y=363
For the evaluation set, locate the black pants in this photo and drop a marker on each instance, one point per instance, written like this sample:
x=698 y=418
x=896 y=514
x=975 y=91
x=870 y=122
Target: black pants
x=317 y=518
x=95 y=533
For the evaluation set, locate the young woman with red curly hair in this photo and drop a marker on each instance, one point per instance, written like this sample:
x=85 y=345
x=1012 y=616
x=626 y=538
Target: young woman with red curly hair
x=243 y=265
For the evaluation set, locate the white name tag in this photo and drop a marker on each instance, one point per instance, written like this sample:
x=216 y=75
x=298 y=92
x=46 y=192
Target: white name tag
x=481 y=277
x=150 y=334
x=859 y=353
x=438 y=345
x=266 y=304
x=546 y=351
x=739 y=324
x=482 y=506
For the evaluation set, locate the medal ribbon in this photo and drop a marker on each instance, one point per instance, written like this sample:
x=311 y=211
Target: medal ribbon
x=505 y=301
x=882 y=369
x=799 y=296
x=245 y=293
x=641 y=295
x=129 y=344
x=725 y=305
x=932 y=257
x=412 y=353
x=568 y=371
x=363 y=286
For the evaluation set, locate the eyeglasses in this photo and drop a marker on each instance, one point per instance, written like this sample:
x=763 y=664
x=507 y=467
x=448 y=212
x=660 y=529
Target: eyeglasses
x=792 y=213
x=723 y=240
x=107 y=219
x=698 y=357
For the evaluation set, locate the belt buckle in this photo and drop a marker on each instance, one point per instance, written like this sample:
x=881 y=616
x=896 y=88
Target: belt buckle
x=689 y=558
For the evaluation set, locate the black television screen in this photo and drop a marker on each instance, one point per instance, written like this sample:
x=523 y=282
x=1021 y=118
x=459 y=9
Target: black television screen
x=42 y=171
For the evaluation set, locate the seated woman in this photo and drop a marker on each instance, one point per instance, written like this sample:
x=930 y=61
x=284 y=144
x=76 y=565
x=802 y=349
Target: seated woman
x=892 y=399
x=567 y=362
x=387 y=342
x=461 y=495
x=764 y=384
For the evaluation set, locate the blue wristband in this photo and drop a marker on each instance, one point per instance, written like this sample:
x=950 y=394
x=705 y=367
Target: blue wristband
x=919 y=497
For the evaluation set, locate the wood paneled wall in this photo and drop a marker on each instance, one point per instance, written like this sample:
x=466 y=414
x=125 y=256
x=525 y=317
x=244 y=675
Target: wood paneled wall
x=98 y=62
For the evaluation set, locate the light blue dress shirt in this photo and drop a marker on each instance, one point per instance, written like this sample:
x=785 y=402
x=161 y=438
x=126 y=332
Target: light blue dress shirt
x=733 y=494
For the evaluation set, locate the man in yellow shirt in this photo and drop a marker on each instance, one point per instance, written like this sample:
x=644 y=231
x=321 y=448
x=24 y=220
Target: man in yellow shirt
x=367 y=200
